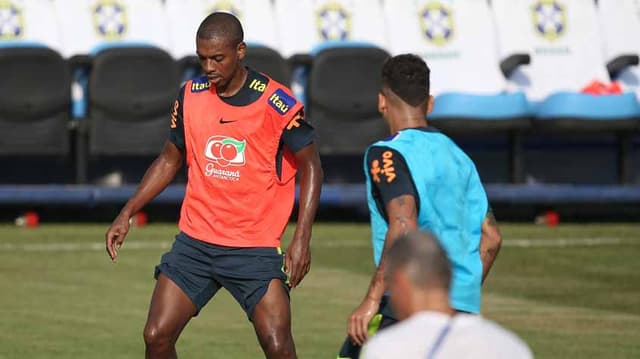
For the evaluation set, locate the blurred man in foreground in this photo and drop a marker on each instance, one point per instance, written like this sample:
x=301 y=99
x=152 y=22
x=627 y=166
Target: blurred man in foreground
x=419 y=275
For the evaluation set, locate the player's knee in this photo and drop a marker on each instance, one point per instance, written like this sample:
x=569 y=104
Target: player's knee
x=155 y=336
x=278 y=346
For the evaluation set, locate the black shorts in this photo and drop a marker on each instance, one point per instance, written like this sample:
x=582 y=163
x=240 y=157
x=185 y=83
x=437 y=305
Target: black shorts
x=200 y=269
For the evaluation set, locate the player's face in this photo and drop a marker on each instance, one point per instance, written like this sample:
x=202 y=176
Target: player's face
x=220 y=59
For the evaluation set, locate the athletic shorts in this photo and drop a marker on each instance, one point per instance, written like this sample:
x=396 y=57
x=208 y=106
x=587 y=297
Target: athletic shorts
x=200 y=269
x=383 y=319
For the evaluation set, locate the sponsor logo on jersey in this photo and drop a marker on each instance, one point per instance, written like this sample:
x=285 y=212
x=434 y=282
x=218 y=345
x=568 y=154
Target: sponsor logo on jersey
x=258 y=85
x=200 y=84
x=224 y=152
x=383 y=167
x=281 y=102
x=174 y=114
x=295 y=122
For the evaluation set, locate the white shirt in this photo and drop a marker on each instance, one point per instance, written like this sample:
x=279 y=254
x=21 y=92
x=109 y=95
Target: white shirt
x=461 y=336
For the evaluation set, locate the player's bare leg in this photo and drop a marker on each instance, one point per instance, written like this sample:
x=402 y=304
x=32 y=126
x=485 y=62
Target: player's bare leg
x=169 y=313
x=272 y=322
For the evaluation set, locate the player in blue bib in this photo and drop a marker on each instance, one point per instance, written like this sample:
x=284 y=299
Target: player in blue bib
x=418 y=178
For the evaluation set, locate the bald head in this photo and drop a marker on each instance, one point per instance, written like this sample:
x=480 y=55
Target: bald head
x=420 y=256
x=221 y=25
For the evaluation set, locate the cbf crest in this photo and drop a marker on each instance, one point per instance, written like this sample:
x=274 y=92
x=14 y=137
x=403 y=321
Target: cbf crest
x=436 y=20
x=226 y=6
x=334 y=22
x=549 y=19
x=110 y=19
x=11 y=21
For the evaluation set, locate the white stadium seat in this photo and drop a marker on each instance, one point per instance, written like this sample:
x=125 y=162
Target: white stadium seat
x=89 y=24
x=29 y=21
x=305 y=24
x=620 y=20
x=563 y=39
x=455 y=37
x=186 y=15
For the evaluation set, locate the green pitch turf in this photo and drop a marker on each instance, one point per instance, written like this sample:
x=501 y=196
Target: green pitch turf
x=570 y=292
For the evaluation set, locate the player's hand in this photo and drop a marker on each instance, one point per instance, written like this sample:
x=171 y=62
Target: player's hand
x=359 y=319
x=297 y=259
x=115 y=235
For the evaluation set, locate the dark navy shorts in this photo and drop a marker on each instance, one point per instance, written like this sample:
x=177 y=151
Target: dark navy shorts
x=200 y=269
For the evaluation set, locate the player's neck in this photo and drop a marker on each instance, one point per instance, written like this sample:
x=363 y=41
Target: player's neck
x=406 y=117
x=235 y=85
x=408 y=122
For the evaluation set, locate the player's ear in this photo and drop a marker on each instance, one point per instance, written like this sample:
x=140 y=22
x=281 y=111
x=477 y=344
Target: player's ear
x=430 y=104
x=382 y=103
x=241 y=50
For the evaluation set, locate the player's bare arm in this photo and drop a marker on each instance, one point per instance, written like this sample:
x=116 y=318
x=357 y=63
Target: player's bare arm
x=490 y=243
x=298 y=255
x=158 y=176
x=403 y=217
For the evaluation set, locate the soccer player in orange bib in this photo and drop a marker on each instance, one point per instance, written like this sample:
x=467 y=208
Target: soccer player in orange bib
x=243 y=137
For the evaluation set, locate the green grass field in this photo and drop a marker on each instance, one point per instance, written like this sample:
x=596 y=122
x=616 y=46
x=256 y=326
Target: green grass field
x=570 y=292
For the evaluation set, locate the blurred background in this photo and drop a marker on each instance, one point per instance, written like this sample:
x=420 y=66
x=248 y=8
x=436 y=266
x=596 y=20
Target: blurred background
x=542 y=94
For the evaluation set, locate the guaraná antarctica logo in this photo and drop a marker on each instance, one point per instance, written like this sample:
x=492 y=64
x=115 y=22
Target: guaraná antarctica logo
x=226 y=6
x=11 y=21
x=334 y=22
x=437 y=23
x=549 y=19
x=110 y=19
x=225 y=151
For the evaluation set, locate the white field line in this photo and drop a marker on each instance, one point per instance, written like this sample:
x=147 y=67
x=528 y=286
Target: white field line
x=347 y=243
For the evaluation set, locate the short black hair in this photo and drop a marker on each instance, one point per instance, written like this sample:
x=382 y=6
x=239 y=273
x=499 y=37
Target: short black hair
x=221 y=25
x=408 y=77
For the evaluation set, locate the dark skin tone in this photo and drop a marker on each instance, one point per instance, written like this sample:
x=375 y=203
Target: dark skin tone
x=403 y=217
x=170 y=309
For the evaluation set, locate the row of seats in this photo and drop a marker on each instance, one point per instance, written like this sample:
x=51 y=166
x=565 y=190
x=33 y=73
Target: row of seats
x=508 y=66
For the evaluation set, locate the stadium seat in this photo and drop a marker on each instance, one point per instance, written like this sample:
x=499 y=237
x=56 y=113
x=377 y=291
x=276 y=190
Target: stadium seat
x=620 y=21
x=257 y=19
x=305 y=24
x=342 y=98
x=35 y=91
x=564 y=42
x=336 y=50
x=563 y=39
x=132 y=80
x=457 y=40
